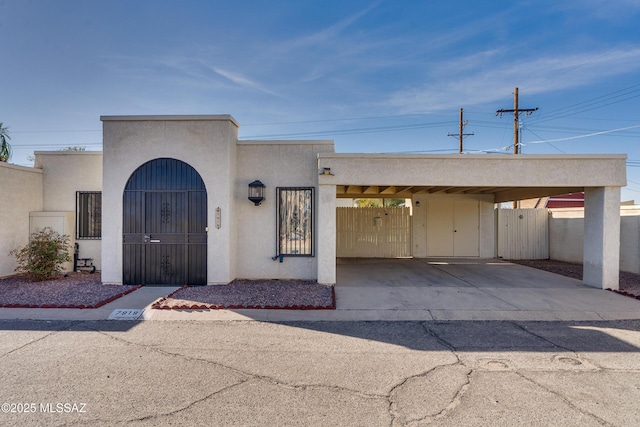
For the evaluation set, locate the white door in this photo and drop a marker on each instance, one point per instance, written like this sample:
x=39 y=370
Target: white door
x=453 y=228
x=466 y=228
x=440 y=228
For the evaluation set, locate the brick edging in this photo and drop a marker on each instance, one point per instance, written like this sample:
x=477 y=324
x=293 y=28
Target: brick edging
x=625 y=293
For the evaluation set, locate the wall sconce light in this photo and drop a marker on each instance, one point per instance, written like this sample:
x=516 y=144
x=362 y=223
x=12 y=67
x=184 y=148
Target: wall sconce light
x=256 y=192
x=326 y=171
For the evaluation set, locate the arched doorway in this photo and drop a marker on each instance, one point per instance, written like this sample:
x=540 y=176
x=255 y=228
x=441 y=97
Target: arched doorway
x=164 y=225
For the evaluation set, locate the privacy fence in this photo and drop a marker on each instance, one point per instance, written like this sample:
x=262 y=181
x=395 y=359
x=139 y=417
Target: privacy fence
x=373 y=232
x=558 y=234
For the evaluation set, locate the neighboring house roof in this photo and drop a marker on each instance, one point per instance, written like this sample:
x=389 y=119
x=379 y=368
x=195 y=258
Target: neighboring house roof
x=571 y=200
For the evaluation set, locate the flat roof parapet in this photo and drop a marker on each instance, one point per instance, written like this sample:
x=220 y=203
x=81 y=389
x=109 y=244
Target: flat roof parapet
x=172 y=118
x=285 y=142
x=472 y=156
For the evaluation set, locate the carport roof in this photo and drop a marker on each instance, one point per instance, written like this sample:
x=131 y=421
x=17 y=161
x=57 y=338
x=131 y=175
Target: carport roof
x=506 y=177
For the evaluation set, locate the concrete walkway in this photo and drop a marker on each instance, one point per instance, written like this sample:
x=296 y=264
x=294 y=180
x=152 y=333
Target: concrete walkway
x=408 y=289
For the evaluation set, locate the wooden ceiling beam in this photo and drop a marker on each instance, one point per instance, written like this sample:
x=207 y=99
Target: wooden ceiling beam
x=458 y=190
x=354 y=189
x=372 y=189
x=437 y=190
x=391 y=189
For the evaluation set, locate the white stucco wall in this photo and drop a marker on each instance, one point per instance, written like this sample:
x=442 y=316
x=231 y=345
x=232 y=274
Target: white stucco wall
x=207 y=143
x=65 y=173
x=566 y=236
x=276 y=164
x=21 y=193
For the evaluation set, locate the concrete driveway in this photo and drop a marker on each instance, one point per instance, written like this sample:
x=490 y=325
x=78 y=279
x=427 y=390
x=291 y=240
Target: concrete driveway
x=470 y=289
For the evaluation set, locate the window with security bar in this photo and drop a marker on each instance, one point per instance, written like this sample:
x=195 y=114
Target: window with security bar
x=88 y=215
x=295 y=221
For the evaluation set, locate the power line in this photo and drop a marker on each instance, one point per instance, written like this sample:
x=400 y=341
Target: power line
x=584 y=136
x=562 y=151
x=351 y=119
x=590 y=104
x=351 y=131
x=516 y=122
x=47 y=146
x=56 y=131
x=461 y=133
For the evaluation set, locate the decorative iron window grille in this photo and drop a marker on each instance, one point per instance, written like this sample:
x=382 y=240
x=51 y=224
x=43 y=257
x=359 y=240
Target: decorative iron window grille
x=88 y=215
x=295 y=221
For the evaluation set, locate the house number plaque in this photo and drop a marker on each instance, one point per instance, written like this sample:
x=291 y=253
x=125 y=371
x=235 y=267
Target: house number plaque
x=218 y=218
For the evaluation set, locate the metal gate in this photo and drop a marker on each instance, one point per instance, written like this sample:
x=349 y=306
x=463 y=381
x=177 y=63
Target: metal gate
x=523 y=233
x=164 y=225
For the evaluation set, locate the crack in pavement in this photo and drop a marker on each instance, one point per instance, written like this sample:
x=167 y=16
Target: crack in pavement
x=457 y=395
x=190 y=405
x=564 y=399
x=65 y=328
x=545 y=339
x=455 y=400
x=248 y=375
x=578 y=356
x=522 y=375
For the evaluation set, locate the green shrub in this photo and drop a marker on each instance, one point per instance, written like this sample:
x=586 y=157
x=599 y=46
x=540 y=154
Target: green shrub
x=43 y=256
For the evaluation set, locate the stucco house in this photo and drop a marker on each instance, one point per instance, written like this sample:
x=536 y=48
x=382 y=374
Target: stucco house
x=167 y=201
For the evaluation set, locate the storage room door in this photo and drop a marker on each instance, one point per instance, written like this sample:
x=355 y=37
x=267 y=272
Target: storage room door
x=466 y=234
x=453 y=228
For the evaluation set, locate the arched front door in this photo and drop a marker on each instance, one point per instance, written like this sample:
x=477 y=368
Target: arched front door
x=165 y=225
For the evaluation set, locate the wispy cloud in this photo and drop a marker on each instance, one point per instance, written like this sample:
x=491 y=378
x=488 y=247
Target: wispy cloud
x=334 y=30
x=495 y=76
x=185 y=70
x=241 y=81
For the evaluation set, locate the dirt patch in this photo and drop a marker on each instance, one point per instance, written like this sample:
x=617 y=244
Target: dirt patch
x=254 y=294
x=75 y=290
x=629 y=282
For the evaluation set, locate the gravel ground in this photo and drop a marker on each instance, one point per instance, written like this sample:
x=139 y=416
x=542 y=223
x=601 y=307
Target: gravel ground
x=629 y=282
x=76 y=290
x=282 y=294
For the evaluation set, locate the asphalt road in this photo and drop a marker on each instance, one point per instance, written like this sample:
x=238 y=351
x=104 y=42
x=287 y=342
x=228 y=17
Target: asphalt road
x=319 y=373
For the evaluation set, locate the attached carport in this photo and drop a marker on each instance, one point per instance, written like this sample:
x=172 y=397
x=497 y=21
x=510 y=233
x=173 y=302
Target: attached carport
x=490 y=179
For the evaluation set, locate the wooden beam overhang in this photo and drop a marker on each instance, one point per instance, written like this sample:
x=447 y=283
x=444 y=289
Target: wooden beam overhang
x=501 y=194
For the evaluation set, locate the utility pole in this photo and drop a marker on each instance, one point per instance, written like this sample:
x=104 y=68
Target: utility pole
x=461 y=133
x=516 y=111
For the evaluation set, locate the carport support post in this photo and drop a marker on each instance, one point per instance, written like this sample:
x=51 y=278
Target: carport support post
x=326 y=234
x=601 y=256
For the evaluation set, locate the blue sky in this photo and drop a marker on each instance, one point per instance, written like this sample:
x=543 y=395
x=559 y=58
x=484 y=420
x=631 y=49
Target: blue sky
x=378 y=76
